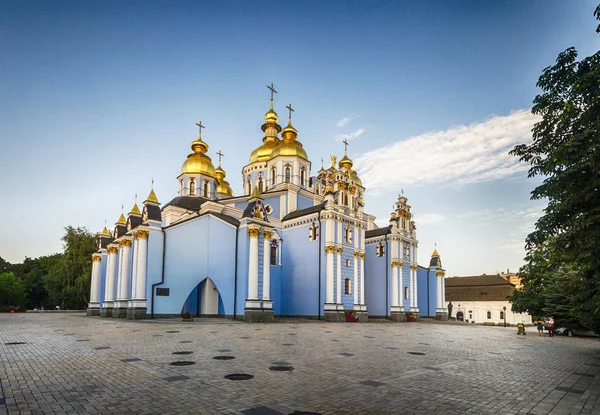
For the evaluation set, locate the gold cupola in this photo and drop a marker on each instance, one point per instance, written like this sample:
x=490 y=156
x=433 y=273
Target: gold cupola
x=271 y=128
x=105 y=232
x=198 y=162
x=223 y=188
x=122 y=220
x=289 y=145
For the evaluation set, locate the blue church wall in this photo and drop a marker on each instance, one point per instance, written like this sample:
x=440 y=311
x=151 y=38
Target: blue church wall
x=274 y=202
x=304 y=202
x=405 y=282
x=195 y=250
x=242 y=271
x=276 y=288
x=348 y=272
x=375 y=282
x=191 y=303
x=299 y=286
x=425 y=292
x=154 y=262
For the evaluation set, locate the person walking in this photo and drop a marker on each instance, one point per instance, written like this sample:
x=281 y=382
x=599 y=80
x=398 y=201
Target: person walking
x=550 y=326
x=540 y=327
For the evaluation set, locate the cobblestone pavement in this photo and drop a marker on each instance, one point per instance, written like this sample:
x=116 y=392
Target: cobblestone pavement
x=70 y=363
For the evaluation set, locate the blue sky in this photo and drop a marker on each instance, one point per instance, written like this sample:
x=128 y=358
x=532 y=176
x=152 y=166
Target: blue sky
x=97 y=98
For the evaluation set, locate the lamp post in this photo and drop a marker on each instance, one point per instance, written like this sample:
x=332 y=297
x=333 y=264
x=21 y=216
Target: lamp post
x=504 y=308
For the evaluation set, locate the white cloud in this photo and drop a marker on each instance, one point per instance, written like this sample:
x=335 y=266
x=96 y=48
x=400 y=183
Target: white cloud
x=429 y=218
x=461 y=154
x=350 y=136
x=344 y=121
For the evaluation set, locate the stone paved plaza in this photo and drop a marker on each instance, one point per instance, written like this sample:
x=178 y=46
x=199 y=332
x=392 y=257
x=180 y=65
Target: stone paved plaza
x=70 y=363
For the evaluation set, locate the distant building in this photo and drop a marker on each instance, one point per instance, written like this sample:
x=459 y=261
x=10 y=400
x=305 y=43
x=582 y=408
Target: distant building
x=484 y=298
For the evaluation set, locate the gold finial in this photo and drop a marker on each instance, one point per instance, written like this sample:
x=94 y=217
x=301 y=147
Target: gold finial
x=255 y=194
x=122 y=220
x=333 y=160
x=290 y=109
x=152 y=197
x=105 y=231
x=435 y=251
x=135 y=210
x=272 y=89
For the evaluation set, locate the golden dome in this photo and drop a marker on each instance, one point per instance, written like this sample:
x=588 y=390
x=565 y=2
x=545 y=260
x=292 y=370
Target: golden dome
x=271 y=116
x=263 y=153
x=355 y=177
x=198 y=162
x=346 y=162
x=223 y=186
x=289 y=146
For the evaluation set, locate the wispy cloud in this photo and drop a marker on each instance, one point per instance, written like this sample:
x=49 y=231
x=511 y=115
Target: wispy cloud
x=351 y=136
x=430 y=218
x=344 y=121
x=461 y=154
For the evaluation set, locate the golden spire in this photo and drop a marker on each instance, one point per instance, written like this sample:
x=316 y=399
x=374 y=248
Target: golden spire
x=122 y=220
x=435 y=252
x=346 y=162
x=152 y=197
x=105 y=232
x=135 y=210
x=255 y=194
x=223 y=187
x=198 y=161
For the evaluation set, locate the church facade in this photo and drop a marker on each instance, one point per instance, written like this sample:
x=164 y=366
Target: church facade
x=294 y=244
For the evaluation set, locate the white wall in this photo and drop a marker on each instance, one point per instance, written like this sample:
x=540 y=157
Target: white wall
x=477 y=311
x=209 y=303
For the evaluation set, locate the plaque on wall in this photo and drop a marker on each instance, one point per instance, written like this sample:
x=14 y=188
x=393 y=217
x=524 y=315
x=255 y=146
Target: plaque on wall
x=162 y=292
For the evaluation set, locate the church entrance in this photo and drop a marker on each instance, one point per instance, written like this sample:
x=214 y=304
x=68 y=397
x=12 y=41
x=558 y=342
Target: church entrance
x=204 y=300
x=460 y=316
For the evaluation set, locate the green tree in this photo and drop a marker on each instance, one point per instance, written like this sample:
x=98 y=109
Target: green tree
x=566 y=152
x=12 y=292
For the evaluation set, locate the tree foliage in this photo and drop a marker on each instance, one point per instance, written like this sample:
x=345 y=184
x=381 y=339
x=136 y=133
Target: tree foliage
x=562 y=270
x=12 y=292
x=57 y=280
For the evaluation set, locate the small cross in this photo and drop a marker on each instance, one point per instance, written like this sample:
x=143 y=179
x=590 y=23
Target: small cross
x=200 y=127
x=322 y=162
x=401 y=192
x=272 y=89
x=121 y=207
x=220 y=155
x=345 y=144
x=289 y=107
x=135 y=198
x=153 y=183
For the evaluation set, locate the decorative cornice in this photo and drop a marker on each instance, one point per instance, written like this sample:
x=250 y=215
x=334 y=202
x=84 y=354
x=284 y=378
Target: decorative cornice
x=329 y=249
x=125 y=242
x=112 y=250
x=141 y=234
x=96 y=258
x=253 y=232
x=268 y=234
x=395 y=264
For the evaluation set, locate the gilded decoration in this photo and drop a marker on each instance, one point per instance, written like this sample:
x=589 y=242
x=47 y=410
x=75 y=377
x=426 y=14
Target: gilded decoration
x=112 y=250
x=141 y=234
x=340 y=250
x=253 y=232
x=356 y=254
x=268 y=234
x=96 y=258
x=362 y=255
x=440 y=274
x=330 y=249
x=125 y=242
x=395 y=264
x=333 y=161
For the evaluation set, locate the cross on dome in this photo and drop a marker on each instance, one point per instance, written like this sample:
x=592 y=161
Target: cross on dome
x=200 y=127
x=220 y=155
x=272 y=89
x=289 y=107
x=345 y=144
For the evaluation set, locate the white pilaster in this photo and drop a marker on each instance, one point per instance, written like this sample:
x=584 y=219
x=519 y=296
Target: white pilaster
x=253 y=233
x=95 y=283
x=355 y=282
x=339 y=276
x=329 y=283
x=394 y=284
x=111 y=275
x=266 y=297
x=142 y=261
x=362 y=280
x=134 y=266
x=124 y=271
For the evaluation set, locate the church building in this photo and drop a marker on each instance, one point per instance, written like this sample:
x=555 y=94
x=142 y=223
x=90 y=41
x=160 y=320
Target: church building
x=293 y=245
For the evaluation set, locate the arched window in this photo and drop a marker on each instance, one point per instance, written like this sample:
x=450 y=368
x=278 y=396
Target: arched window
x=489 y=315
x=181 y=187
x=347 y=286
x=288 y=174
x=205 y=188
x=302 y=176
x=249 y=187
x=380 y=249
x=192 y=187
x=312 y=235
x=274 y=253
x=348 y=234
x=501 y=315
x=260 y=185
x=345 y=199
x=272 y=176
x=406 y=293
x=318 y=189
